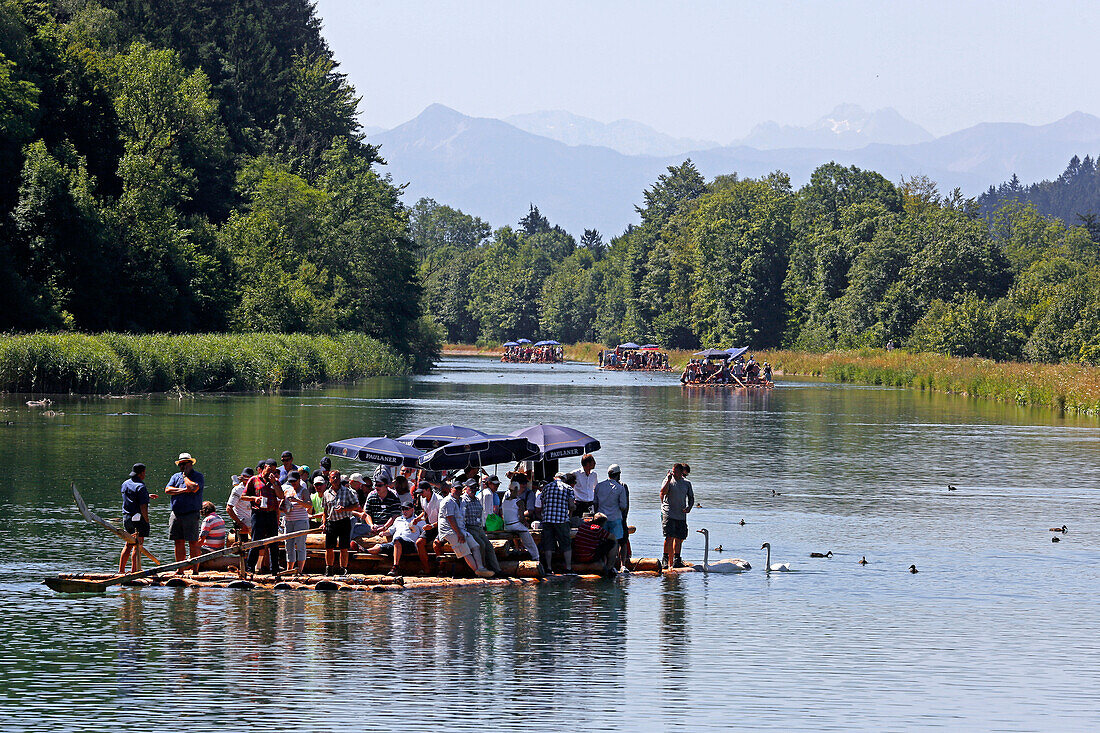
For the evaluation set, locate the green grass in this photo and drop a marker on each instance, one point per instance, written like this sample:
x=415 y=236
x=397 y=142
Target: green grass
x=115 y=363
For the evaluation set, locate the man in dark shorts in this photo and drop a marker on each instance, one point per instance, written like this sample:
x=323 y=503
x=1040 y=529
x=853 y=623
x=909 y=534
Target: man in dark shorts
x=677 y=499
x=185 y=488
x=339 y=502
x=135 y=516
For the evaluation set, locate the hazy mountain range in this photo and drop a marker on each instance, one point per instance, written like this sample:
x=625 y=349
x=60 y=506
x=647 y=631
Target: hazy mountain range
x=583 y=173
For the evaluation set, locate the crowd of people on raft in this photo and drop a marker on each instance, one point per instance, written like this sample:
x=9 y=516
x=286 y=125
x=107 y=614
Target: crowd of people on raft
x=634 y=360
x=528 y=353
x=735 y=371
x=575 y=514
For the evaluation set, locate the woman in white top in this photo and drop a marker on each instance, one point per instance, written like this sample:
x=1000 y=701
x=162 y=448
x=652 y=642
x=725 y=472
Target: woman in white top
x=512 y=510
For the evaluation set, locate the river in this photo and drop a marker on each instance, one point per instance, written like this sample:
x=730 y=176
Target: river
x=998 y=630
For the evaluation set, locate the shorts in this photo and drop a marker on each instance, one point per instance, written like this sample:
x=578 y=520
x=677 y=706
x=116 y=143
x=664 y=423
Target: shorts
x=184 y=526
x=674 y=528
x=461 y=549
x=140 y=527
x=338 y=534
x=615 y=528
x=555 y=535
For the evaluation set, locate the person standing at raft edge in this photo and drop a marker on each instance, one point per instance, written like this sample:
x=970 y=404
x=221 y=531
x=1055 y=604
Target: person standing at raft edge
x=135 y=510
x=677 y=499
x=185 y=488
x=584 y=491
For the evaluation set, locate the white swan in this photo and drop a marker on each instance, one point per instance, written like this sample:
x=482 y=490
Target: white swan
x=779 y=567
x=722 y=566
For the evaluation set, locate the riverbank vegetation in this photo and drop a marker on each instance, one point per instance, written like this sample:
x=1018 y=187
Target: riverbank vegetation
x=850 y=260
x=113 y=363
x=193 y=167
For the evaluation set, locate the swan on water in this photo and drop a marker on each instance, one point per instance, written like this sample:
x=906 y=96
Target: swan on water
x=779 y=567
x=1063 y=529
x=822 y=554
x=722 y=566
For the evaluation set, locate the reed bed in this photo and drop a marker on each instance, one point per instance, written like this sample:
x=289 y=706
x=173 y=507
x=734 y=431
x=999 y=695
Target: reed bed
x=1073 y=388
x=115 y=363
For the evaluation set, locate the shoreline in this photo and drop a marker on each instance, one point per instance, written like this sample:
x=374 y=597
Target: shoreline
x=1070 y=388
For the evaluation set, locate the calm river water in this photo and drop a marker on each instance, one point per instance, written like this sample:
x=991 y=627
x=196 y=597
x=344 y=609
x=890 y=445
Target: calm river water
x=998 y=630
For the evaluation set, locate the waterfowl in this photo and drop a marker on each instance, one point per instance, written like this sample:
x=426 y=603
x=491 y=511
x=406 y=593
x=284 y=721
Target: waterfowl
x=1063 y=529
x=779 y=567
x=863 y=560
x=951 y=488
x=822 y=554
x=722 y=566
x=1055 y=539
x=913 y=568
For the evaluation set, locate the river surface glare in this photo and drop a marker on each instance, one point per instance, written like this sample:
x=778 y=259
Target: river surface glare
x=998 y=631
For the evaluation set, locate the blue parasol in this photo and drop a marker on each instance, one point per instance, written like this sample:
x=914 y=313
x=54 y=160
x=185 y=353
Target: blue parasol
x=558 y=441
x=487 y=450
x=434 y=437
x=386 y=451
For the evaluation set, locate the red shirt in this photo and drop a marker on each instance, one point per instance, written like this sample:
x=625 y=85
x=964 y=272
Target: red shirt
x=588 y=538
x=257 y=486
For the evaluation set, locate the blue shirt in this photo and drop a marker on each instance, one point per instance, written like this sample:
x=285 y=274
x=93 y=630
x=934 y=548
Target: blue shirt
x=191 y=501
x=134 y=497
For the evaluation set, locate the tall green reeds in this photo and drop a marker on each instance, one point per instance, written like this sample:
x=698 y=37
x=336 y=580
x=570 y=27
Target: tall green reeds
x=120 y=363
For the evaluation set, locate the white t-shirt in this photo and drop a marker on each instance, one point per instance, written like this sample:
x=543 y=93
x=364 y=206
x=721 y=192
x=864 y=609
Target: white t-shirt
x=585 y=489
x=243 y=509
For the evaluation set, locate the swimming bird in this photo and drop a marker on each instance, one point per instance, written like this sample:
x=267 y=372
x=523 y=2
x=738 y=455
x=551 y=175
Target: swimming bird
x=779 y=567
x=913 y=569
x=742 y=522
x=863 y=560
x=722 y=566
x=1055 y=539
x=822 y=554
x=951 y=488
x=1063 y=529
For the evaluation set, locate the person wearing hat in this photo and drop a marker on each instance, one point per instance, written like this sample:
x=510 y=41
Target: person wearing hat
x=287 y=459
x=185 y=487
x=239 y=510
x=404 y=534
x=135 y=517
x=613 y=501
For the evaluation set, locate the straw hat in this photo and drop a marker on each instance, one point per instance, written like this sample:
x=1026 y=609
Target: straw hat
x=184 y=457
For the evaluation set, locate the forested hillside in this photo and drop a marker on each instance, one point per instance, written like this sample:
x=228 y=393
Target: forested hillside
x=1073 y=197
x=850 y=259
x=181 y=166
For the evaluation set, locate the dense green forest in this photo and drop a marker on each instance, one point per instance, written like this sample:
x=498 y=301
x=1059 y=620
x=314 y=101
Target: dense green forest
x=1073 y=197
x=183 y=166
x=850 y=259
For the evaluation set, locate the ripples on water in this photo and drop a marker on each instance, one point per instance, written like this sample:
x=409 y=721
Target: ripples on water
x=998 y=630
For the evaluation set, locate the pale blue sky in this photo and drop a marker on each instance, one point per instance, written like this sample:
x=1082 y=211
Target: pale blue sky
x=713 y=69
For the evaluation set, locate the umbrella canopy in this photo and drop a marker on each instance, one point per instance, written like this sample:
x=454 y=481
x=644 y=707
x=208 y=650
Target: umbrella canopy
x=735 y=351
x=510 y=343
x=628 y=345
x=523 y=341
x=386 y=451
x=487 y=450
x=558 y=441
x=434 y=437
x=713 y=353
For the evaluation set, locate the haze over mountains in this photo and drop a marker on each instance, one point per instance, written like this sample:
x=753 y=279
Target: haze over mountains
x=583 y=173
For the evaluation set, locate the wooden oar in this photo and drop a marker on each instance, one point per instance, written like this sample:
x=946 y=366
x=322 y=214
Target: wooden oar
x=77 y=585
x=96 y=519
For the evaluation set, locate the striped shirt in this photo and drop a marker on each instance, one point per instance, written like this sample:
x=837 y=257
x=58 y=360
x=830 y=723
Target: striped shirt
x=213 y=532
x=338 y=502
x=471 y=510
x=555 y=499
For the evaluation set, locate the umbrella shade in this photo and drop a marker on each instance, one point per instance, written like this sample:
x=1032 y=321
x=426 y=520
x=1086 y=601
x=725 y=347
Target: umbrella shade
x=487 y=450
x=434 y=437
x=510 y=343
x=735 y=351
x=386 y=451
x=628 y=345
x=713 y=353
x=558 y=441
x=523 y=341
